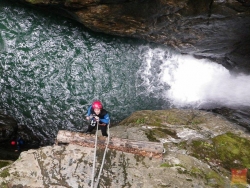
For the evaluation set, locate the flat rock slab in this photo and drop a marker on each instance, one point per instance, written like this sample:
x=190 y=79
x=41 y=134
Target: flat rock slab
x=144 y=148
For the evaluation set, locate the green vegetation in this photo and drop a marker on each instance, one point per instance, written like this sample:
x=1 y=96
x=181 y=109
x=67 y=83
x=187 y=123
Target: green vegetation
x=214 y=179
x=151 y=136
x=161 y=117
x=3 y=185
x=211 y=177
x=139 y=121
x=4 y=163
x=5 y=173
x=227 y=150
x=166 y=165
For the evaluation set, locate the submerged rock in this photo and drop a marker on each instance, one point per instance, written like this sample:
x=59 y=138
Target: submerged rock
x=201 y=148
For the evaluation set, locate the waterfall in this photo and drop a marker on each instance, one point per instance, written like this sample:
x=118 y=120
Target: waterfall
x=188 y=81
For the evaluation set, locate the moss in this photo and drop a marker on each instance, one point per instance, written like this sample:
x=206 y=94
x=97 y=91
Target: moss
x=151 y=136
x=214 y=179
x=5 y=173
x=196 y=172
x=161 y=117
x=231 y=148
x=154 y=134
x=164 y=132
x=211 y=177
x=174 y=119
x=3 y=185
x=227 y=150
x=182 y=145
x=140 y=120
x=4 y=163
x=166 y=165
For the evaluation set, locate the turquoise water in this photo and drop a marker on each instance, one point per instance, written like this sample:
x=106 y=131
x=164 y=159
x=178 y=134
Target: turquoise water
x=52 y=68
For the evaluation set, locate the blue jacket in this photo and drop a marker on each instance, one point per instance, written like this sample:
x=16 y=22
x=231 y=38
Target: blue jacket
x=104 y=116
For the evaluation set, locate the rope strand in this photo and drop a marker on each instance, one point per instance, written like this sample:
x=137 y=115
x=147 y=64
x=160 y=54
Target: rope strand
x=93 y=169
x=103 y=159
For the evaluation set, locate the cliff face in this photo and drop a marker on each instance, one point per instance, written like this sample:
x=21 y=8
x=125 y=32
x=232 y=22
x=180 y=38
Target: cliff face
x=215 y=29
x=201 y=149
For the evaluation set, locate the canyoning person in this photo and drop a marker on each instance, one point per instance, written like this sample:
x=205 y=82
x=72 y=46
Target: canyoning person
x=19 y=143
x=96 y=114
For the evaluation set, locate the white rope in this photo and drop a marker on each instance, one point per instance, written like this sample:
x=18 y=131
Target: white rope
x=93 y=169
x=103 y=159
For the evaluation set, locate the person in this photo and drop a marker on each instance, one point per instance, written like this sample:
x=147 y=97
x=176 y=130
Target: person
x=97 y=114
x=19 y=143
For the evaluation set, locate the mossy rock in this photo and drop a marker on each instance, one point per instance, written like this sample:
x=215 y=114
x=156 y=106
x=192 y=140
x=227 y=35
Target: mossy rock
x=162 y=117
x=5 y=173
x=227 y=150
x=4 y=163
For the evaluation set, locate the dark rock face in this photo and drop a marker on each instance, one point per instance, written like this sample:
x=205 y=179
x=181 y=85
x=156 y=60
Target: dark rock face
x=11 y=131
x=8 y=127
x=215 y=29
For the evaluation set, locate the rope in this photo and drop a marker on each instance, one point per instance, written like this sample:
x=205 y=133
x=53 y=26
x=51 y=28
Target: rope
x=93 y=169
x=104 y=155
x=94 y=160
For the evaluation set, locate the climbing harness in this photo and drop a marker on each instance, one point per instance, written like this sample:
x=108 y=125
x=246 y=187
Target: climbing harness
x=103 y=159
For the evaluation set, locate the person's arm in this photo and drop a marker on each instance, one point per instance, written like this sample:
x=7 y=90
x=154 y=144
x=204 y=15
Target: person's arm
x=88 y=112
x=105 y=119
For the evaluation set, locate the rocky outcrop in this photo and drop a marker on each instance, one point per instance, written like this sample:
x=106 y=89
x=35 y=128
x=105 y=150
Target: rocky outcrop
x=215 y=29
x=201 y=148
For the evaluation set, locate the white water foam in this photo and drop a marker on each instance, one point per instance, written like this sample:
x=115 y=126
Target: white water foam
x=187 y=81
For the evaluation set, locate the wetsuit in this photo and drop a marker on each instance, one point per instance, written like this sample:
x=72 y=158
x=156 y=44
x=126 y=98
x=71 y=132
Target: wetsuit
x=103 y=120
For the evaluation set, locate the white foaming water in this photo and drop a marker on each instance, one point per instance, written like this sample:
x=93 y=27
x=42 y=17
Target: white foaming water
x=187 y=81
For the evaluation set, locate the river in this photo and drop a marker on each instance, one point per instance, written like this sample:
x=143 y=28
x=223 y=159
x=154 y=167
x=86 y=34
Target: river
x=52 y=68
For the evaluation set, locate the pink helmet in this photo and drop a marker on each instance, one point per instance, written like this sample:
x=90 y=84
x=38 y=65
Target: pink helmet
x=97 y=104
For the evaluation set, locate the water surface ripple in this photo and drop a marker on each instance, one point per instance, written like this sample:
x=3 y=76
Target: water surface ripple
x=53 y=68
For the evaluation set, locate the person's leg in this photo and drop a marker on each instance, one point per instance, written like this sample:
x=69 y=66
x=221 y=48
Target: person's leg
x=104 y=130
x=91 y=127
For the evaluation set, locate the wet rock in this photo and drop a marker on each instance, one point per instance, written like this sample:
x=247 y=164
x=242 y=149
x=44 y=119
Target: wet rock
x=236 y=115
x=218 y=30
